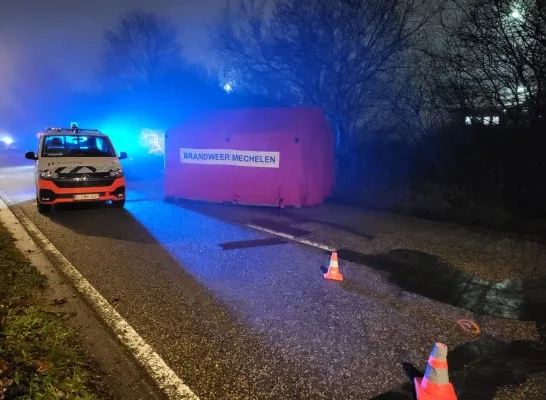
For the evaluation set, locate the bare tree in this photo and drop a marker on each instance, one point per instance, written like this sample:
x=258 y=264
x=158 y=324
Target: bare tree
x=141 y=48
x=493 y=58
x=339 y=55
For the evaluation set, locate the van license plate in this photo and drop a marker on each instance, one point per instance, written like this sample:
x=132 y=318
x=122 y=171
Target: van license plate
x=93 y=196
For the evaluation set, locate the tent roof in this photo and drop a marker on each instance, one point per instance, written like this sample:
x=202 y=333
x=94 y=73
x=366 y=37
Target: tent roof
x=253 y=121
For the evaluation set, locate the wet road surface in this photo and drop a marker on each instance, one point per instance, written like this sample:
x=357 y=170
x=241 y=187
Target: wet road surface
x=238 y=314
x=498 y=275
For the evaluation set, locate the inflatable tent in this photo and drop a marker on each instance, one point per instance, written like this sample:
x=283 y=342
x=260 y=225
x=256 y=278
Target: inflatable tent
x=270 y=156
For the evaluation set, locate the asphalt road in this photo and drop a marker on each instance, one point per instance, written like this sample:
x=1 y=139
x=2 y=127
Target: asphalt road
x=237 y=317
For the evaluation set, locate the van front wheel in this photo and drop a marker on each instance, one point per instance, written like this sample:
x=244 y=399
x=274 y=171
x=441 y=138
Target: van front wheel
x=43 y=208
x=118 y=203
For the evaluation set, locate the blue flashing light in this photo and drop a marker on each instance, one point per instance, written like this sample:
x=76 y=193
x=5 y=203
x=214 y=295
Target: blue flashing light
x=130 y=132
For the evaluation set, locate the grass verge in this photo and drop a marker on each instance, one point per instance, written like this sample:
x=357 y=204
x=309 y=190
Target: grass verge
x=40 y=355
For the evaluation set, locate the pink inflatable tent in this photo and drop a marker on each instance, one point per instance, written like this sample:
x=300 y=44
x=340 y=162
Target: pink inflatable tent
x=270 y=156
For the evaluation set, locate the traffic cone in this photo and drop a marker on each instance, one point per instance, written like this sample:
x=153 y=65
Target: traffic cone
x=435 y=384
x=333 y=269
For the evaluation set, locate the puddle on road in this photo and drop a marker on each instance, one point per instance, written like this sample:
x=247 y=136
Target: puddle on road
x=477 y=369
x=432 y=277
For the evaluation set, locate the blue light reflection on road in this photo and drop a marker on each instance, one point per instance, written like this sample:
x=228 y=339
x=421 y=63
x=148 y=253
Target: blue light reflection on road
x=194 y=239
x=278 y=291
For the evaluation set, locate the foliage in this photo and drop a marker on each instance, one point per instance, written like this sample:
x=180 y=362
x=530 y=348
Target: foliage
x=40 y=356
x=140 y=50
x=492 y=57
x=340 y=55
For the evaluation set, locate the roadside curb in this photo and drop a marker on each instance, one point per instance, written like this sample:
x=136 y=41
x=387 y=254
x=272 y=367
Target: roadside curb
x=24 y=231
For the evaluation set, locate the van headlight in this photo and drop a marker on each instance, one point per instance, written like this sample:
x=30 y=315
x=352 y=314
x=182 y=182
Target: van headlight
x=116 y=173
x=48 y=175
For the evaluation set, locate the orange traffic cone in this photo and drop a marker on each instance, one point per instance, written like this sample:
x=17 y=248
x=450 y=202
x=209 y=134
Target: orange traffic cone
x=333 y=269
x=435 y=384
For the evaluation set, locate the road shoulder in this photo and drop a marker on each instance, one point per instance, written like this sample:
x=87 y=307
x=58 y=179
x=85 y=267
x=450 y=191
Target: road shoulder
x=123 y=378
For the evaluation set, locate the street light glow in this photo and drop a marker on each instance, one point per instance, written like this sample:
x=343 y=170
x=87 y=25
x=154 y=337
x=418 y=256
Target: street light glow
x=227 y=87
x=516 y=14
x=7 y=139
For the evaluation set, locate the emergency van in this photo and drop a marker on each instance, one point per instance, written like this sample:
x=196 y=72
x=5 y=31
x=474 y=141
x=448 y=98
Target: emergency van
x=77 y=165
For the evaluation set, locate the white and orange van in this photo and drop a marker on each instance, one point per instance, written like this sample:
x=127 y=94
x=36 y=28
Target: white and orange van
x=77 y=165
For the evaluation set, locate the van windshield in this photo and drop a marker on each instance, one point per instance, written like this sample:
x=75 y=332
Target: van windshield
x=77 y=146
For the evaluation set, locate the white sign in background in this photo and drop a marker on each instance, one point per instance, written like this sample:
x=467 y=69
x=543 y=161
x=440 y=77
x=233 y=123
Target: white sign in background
x=239 y=158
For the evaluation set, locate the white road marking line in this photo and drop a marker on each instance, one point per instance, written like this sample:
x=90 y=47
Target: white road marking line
x=293 y=238
x=160 y=372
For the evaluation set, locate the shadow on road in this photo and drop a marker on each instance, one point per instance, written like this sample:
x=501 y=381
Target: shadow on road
x=101 y=220
x=244 y=214
x=432 y=277
x=479 y=369
x=296 y=218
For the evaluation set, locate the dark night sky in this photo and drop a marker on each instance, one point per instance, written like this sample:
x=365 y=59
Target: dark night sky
x=53 y=30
